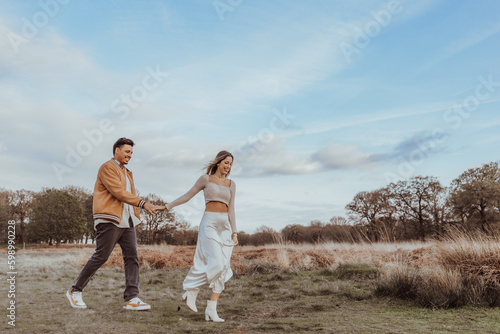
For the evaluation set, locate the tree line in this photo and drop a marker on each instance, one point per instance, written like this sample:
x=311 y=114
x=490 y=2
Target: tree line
x=419 y=208
x=55 y=216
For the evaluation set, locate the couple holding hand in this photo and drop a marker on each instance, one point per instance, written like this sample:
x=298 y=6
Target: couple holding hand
x=116 y=213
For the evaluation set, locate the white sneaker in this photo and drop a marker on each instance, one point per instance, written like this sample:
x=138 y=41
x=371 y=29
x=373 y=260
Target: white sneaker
x=75 y=298
x=136 y=304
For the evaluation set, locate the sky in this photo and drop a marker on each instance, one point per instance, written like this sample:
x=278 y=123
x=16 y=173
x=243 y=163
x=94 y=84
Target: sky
x=318 y=100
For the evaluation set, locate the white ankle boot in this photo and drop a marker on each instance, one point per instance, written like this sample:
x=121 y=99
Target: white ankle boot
x=211 y=312
x=190 y=297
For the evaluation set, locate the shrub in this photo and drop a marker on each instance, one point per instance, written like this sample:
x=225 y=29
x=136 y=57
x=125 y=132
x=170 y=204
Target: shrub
x=464 y=271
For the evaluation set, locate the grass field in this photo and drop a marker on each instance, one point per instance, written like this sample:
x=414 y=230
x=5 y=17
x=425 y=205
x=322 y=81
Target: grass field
x=328 y=288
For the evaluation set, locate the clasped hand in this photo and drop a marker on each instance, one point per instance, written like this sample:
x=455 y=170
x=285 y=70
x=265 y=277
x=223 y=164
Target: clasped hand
x=152 y=209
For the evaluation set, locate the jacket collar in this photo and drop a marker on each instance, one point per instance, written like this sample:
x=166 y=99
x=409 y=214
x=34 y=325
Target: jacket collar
x=118 y=164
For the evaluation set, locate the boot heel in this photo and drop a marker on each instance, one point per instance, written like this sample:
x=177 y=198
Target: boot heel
x=184 y=296
x=207 y=317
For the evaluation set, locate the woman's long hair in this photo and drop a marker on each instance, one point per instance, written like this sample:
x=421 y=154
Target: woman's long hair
x=212 y=166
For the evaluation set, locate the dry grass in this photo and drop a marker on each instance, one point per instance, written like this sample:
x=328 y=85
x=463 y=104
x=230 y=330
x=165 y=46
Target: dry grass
x=278 y=288
x=278 y=301
x=473 y=256
x=461 y=270
x=245 y=259
x=280 y=256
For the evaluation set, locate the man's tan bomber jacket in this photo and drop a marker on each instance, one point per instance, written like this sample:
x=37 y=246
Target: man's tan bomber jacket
x=110 y=193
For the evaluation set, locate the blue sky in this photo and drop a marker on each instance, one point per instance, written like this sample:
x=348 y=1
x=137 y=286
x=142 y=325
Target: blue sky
x=317 y=100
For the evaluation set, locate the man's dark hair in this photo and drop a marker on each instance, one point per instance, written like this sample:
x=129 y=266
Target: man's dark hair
x=122 y=141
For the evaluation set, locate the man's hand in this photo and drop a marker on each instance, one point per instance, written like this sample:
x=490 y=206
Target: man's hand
x=150 y=208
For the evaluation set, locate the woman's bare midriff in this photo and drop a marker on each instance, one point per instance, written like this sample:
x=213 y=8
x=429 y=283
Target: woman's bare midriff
x=216 y=207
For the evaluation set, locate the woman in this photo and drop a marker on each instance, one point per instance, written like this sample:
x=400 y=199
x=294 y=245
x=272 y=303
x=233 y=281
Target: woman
x=217 y=235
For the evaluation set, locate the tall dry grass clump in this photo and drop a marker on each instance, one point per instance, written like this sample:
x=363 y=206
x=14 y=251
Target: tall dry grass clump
x=473 y=255
x=289 y=256
x=155 y=256
x=429 y=286
x=477 y=258
x=462 y=269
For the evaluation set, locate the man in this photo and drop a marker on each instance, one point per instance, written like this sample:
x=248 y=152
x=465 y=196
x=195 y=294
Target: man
x=116 y=213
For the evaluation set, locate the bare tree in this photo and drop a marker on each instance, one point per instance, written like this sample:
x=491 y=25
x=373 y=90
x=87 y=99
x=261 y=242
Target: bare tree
x=22 y=205
x=415 y=197
x=263 y=235
x=162 y=222
x=373 y=209
x=475 y=196
x=339 y=220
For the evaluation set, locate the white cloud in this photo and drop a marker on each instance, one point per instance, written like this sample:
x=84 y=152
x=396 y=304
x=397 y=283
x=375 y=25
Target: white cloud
x=272 y=158
x=337 y=156
x=263 y=158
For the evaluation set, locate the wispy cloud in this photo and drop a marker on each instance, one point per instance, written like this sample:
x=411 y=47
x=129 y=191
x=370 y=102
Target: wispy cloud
x=337 y=156
x=274 y=159
x=473 y=37
x=350 y=122
x=229 y=85
x=423 y=142
x=381 y=116
x=371 y=117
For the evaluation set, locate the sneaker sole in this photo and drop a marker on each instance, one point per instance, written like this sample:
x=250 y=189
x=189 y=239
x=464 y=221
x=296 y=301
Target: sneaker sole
x=71 y=301
x=137 y=308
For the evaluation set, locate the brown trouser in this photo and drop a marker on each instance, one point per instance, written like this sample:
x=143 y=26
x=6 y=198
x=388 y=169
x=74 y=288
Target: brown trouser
x=107 y=236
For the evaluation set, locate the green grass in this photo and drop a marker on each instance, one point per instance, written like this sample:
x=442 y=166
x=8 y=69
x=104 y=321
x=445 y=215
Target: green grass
x=266 y=300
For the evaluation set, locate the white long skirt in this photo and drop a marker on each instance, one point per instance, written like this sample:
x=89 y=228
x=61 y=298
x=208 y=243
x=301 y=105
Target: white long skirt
x=211 y=263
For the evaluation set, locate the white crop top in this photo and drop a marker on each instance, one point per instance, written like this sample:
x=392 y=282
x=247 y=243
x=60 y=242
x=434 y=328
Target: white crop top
x=213 y=193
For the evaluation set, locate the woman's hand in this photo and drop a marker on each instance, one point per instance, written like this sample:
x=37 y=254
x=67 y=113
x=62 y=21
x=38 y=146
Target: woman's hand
x=235 y=238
